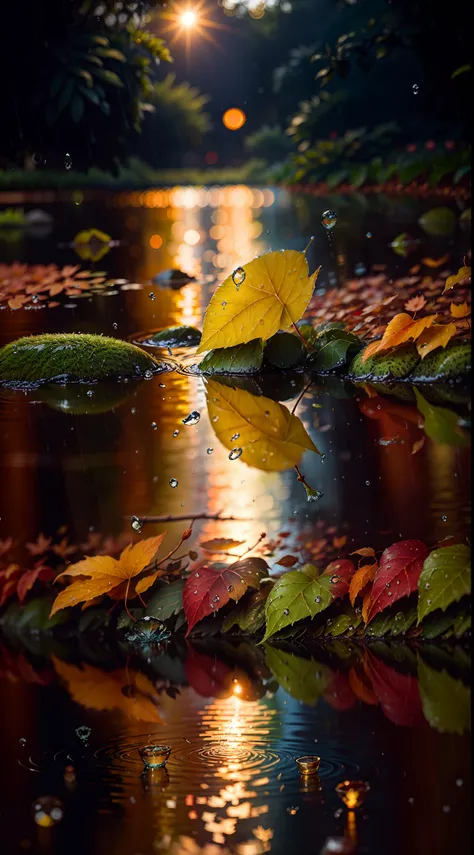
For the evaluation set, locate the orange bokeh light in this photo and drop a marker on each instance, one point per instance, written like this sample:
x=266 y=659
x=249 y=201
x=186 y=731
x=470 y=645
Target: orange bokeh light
x=234 y=119
x=156 y=241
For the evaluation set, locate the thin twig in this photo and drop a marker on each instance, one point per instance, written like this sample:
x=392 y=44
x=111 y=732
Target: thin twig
x=261 y=537
x=184 y=517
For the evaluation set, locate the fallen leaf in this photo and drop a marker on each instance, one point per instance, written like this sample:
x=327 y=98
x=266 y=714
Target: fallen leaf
x=288 y=561
x=445 y=578
x=296 y=595
x=436 y=336
x=415 y=304
x=364 y=552
x=221 y=544
x=207 y=590
x=106 y=573
x=400 y=330
x=418 y=445
x=340 y=573
x=360 y=579
x=29 y=577
x=271 y=438
x=273 y=295
x=460 y=310
x=397 y=575
x=463 y=273
x=435 y=262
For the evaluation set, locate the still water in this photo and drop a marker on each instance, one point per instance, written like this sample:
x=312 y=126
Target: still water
x=77 y=468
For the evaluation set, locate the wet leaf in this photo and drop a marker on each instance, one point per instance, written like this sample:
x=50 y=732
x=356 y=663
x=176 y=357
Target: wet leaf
x=104 y=574
x=445 y=578
x=439 y=222
x=166 y=600
x=288 y=561
x=463 y=274
x=344 y=623
x=446 y=701
x=241 y=359
x=221 y=544
x=360 y=579
x=207 y=590
x=29 y=577
x=398 y=694
x=460 y=310
x=340 y=573
x=440 y=424
x=284 y=350
x=397 y=574
x=95 y=689
x=178 y=336
x=249 y=613
x=401 y=329
x=415 y=304
x=436 y=336
x=271 y=438
x=334 y=348
x=296 y=595
x=304 y=679
x=274 y=294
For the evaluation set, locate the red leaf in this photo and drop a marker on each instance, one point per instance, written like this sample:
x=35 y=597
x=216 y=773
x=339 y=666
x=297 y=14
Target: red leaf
x=288 y=561
x=207 y=590
x=398 y=693
x=29 y=577
x=397 y=575
x=207 y=676
x=343 y=569
x=339 y=693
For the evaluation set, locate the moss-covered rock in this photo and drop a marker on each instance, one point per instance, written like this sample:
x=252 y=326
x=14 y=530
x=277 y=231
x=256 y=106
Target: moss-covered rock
x=72 y=357
x=391 y=366
x=449 y=363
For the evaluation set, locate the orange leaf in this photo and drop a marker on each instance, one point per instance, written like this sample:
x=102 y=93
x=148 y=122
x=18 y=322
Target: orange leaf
x=437 y=336
x=370 y=350
x=221 y=544
x=339 y=542
x=460 y=310
x=106 y=573
x=416 y=303
x=359 y=580
x=366 y=606
x=435 y=262
x=413 y=331
x=361 y=688
x=365 y=552
x=399 y=323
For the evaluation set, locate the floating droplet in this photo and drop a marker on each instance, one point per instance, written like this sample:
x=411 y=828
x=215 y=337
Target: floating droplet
x=67 y=161
x=329 y=220
x=136 y=524
x=238 y=277
x=192 y=419
x=360 y=269
x=175 y=433
x=209 y=450
x=235 y=437
x=235 y=453
x=114 y=326
x=83 y=732
x=22 y=741
x=415 y=88
x=48 y=811
x=154 y=756
x=152 y=295
x=173 y=482
x=148 y=375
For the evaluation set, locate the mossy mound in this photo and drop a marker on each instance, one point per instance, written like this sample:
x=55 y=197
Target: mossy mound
x=450 y=363
x=72 y=357
x=391 y=366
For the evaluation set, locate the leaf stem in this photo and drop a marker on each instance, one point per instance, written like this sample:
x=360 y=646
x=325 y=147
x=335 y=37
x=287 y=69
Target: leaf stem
x=306 y=343
x=183 y=517
x=301 y=396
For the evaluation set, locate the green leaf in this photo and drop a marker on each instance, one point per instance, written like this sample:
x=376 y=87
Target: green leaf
x=358 y=176
x=439 y=222
x=461 y=70
x=345 y=623
x=166 y=600
x=77 y=108
x=249 y=613
x=240 y=359
x=445 y=578
x=446 y=701
x=445 y=623
x=284 y=350
x=111 y=53
x=295 y=596
x=109 y=77
x=440 y=424
x=178 y=336
x=308 y=333
x=333 y=346
x=394 y=621
x=304 y=679
x=86 y=75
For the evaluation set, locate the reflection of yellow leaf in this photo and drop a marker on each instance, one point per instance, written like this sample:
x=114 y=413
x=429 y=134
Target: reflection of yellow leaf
x=462 y=274
x=272 y=296
x=460 y=310
x=271 y=438
x=92 y=244
x=103 y=690
x=106 y=573
x=437 y=336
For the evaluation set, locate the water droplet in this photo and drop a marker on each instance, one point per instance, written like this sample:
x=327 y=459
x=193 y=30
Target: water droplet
x=90 y=393
x=67 y=160
x=360 y=269
x=444 y=518
x=235 y=437
x=175 y=433
x=137 y=525
x=335 y=579
x=427 y=585
x=195 y=593
x=148 y=375
x=368 y=235
x=215 y=419
x=230 y=588
x=114 y=326
x=399 y=616
x=387 y=584
x=48 y=811
x=238 y=277
x=415 y=88
x=446 y=808
x=83 y=732
x=367 y=483
x=152 y=295
x=154 y=425
x=292 y=810
x=223 y=304
x=22 y=741
x=459 y=782
x=192 y=419
x=209 y=450
x=35 y=298
x=173 y=482
x=235 y=453
x=329 y=220
x=133 y=411
x=317 y=599
x=286 y=611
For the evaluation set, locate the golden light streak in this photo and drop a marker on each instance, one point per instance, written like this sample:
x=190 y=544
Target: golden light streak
x=190 y=21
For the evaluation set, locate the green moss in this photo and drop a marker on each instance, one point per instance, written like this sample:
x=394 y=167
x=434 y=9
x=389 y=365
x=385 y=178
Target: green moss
x=450 y=363
x=391 y=366
x=41 y=358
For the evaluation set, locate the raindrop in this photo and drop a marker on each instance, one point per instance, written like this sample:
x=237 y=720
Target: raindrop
x=22 y=741
x=427 y=585
x=230 y=588
x=175 y=432
x=83 y=732
x=148 y=375
x=137 y=525
x=133 y=411
x=195 y=593
x=368 y=235
x=459 y=782
x=154 y=425
x=238 y=277
x=235 y=453
x=235 y=437
x=415 y=88
x=286 y=611
x=360 y=269
x=209 y=450
x=35 y=298
x=329 y=220
x=216 y=599
x=444 y=518
x=48 y=811
x=114 y=326
x=90 y=393
x=173 y=482
x=215 y=419
x=67 y=161
x=334 y=579
x=223 y=304
x=317 y=599
x=367 y=483
x=192 y=419
x=152 y=295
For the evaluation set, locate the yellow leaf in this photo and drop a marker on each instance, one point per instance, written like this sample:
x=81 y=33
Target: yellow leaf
x=460 y=310
x=271 y=438
x=273 y=295
x=435 y=262
x=397 y=324
x=451 y=281
x=106 y=573
x=103 y=690
x=437 y=336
